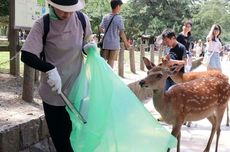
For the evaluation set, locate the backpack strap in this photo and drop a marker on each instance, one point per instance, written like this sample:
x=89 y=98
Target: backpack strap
x=46 y=28
x=81 y=17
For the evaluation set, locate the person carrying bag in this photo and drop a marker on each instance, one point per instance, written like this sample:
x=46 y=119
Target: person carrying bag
x=207 y=57
x=214 y=48
x=100 y=43
x=115 y=31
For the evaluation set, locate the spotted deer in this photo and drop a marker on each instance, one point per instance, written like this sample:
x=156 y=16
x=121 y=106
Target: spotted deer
x=179 y=77
x=190 y=101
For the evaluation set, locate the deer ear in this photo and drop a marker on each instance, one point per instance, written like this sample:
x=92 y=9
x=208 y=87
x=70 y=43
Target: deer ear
x=164 y=62
x=176 y=68
x=173 y=70
x=159 y=76
x=170 y=73
x=149 y=65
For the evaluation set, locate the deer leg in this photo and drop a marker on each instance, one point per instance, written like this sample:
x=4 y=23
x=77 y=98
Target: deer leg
x=213 y=121
x=189 y=123
x=178 y=143
x=220 y=115
x=176 y=132
x=227 y=124
x=217 y=138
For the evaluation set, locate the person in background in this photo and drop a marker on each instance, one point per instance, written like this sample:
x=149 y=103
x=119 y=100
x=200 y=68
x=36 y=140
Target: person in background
x=199 y=49
x=111 y=41
x=185 y=38
x=64 y=60
x=214 y=47
x=177 y=53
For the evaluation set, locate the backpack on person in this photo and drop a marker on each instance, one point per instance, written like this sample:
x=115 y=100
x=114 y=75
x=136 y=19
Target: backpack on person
x=46 y=25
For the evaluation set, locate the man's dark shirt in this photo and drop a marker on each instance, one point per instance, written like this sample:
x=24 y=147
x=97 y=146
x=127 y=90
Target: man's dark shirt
x=185 y=40
x=178 y=53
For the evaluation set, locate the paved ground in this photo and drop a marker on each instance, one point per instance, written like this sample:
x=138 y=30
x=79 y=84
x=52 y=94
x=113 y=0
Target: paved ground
x=194 y=139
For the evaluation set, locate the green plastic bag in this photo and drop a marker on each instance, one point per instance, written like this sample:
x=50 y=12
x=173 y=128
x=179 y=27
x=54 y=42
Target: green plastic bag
x=116 y=120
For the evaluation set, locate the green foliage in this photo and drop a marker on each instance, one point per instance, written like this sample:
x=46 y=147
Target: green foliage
x=96 y=9
x=212 y=12
x=4 y=12
x=4 y=7
x=152 y=16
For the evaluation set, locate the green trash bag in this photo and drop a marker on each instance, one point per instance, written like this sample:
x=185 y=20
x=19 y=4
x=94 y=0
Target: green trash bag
x=116 y=120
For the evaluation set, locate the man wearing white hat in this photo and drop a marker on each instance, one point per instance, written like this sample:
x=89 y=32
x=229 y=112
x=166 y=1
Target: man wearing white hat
x=62 y=64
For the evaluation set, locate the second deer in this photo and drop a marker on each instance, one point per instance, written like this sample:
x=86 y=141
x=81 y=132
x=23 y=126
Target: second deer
x=179 y=77
x=190 y=101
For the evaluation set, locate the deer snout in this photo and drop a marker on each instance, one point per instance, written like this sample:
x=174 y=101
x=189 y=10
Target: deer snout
x=141 y=83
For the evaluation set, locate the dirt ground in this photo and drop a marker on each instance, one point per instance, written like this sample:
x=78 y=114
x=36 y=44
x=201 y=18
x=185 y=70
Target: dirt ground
x=13 y=110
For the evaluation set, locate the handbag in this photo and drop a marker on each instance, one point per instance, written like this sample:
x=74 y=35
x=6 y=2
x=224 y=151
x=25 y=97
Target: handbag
x=188 y=66
x=207 y=58
x=100 y=43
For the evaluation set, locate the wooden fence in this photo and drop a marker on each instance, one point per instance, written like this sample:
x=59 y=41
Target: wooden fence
x=31 y=75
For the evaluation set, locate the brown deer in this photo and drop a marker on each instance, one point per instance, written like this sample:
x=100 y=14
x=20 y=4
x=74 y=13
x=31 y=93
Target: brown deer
x=190 y=101
x=141 y=93
x=179 y=77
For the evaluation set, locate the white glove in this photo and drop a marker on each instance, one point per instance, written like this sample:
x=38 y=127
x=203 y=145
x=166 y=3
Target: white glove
x=54 y=80
x=90 y=45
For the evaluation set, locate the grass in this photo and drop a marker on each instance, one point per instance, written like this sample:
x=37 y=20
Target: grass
x=5 y=67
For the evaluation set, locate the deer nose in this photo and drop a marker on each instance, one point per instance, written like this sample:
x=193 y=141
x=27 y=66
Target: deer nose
x=141 y=83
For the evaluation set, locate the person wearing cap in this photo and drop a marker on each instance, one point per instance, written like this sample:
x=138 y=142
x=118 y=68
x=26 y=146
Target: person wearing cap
x=111 y=41
x=64 y=59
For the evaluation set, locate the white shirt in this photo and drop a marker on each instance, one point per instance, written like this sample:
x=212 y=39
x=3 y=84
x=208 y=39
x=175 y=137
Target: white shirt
x=214 y=46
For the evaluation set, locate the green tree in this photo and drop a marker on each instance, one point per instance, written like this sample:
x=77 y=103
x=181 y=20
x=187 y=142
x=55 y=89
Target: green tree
x=4 y=11
x=152 y=16
x=95 y=9
x=4 y=16
x=4 y=7
x=212 y=12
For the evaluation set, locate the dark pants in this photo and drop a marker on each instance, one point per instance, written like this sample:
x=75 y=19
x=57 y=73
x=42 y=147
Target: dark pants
x=59 y=125
x=169 y=83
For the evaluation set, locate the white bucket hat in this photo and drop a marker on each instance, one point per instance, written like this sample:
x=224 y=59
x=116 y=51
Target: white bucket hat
x=67 y=5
